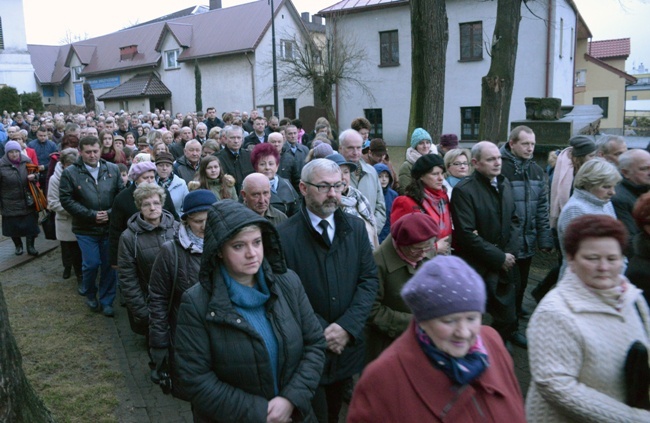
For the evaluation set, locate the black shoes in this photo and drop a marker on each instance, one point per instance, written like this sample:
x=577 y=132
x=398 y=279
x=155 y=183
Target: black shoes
x=19 y=250
x=67 y=272
x=519 y=339
x=30 y=247
x=108 y=311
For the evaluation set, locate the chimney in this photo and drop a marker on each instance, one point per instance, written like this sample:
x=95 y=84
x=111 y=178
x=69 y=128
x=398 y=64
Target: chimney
x=305 y=17
x=215 y=4
x=128 y=52
x=317 y=19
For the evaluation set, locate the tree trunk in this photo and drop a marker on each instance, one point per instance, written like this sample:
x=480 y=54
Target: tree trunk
x=18 y=401
x=496 y=86
x=198 y=93
x=429 y=32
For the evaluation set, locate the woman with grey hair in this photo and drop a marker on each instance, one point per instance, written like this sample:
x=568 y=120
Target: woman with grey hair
x=70 y=252
x=147 y=230
x=593 y=188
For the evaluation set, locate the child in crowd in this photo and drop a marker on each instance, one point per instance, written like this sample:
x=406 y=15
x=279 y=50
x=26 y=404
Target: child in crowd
x=124 y=173
x=386 y=181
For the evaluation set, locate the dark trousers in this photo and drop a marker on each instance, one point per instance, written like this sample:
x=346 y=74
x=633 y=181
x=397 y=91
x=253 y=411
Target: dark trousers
x=328 y=401
x=501 y=290
x=523 y=269
x=71 y=256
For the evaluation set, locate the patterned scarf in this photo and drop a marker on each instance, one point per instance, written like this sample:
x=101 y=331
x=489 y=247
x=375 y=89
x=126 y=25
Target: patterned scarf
x=435 y=203
x=614 y=297
x=461 y=371
x=355 y=203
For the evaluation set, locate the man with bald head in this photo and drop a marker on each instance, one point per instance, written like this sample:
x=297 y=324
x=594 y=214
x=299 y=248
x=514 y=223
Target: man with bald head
x=486 y=235
x=634 y=165
x=187 y=165
x=256 y=195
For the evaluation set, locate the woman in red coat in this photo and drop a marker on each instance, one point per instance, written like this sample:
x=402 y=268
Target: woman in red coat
x=446 y=366
x=426 y=194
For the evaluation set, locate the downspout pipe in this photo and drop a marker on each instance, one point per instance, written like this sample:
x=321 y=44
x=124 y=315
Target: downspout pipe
x=548 y=48
x=252 y=78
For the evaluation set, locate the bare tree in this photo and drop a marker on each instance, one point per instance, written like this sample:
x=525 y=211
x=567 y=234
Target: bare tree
x=70 y=38
x=309 y=66
x=496 y=86
x=18 y=401
x=429 y=33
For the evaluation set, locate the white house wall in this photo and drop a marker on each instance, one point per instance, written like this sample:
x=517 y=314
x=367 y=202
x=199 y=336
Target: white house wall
x=286 y=27
x=392 y=86
x=563 y=51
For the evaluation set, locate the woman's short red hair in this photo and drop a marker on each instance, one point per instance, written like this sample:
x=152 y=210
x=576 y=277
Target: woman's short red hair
x=263 y=150
x=593 y=226
x=641 y=211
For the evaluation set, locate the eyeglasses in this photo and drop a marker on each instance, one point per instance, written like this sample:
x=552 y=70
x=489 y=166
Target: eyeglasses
x=460 y=164
x=419 y=248
x=325 y=188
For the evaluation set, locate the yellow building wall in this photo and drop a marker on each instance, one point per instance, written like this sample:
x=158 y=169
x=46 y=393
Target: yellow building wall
x=600 y=82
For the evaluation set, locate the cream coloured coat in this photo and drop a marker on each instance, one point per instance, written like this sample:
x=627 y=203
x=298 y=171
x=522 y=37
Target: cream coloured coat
x=63 y=220
x=577 y=345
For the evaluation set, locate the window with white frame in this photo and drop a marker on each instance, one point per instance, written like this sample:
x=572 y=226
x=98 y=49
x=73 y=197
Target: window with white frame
x=171 y=59
x=76 y=73
x=581 y=77
x=288 y=49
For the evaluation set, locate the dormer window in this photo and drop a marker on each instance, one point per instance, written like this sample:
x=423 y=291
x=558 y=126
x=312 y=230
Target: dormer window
x=76 y=73
x=171 y=59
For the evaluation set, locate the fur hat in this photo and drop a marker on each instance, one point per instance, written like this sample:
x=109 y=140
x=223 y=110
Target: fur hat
x=444 y=285
x=425 y=163
x=449 y=141
x=418 y=135
x=164 y=157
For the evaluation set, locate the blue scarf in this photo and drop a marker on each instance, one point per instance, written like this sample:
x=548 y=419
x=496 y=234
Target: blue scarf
x=461 y=371
x=250 y=302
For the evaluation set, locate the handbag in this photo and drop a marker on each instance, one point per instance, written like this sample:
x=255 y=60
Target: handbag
x=38 y=199
x=48 y=225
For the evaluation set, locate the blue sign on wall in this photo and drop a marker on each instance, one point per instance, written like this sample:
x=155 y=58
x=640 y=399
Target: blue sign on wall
x=108 y=82
x=61 y=91
x=78 y=94
x=48 y=91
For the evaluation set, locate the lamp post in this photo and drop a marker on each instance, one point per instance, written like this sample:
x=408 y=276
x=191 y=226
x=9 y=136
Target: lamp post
x=276 y=111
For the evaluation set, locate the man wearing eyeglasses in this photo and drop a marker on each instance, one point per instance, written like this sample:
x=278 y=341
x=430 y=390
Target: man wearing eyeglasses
x=531 y=206
x=330 y=252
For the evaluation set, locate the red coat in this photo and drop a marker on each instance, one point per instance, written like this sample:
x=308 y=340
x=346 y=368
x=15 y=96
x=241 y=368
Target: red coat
x=403 y=386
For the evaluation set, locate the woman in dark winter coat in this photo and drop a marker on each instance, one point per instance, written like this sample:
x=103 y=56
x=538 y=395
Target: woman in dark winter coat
x=638 y=269
x=19 y=217
x=147 y=230
x=175 y=270
x=248 y=345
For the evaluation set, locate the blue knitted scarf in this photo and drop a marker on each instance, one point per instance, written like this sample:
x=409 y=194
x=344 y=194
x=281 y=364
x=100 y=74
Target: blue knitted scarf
x=461 y=370
x=249 y=302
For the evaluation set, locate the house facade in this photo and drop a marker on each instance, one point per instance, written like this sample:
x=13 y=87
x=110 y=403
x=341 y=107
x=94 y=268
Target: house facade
x=545 y=60
x=601 y=79
x=153 y=65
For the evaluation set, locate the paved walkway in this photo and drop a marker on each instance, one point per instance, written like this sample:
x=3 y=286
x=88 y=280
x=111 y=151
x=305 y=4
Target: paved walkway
x=144 y=401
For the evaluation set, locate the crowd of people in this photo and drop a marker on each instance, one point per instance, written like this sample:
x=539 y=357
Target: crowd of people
x=277 y=274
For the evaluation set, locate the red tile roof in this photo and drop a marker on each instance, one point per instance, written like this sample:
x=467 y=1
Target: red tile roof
x=609 y=49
